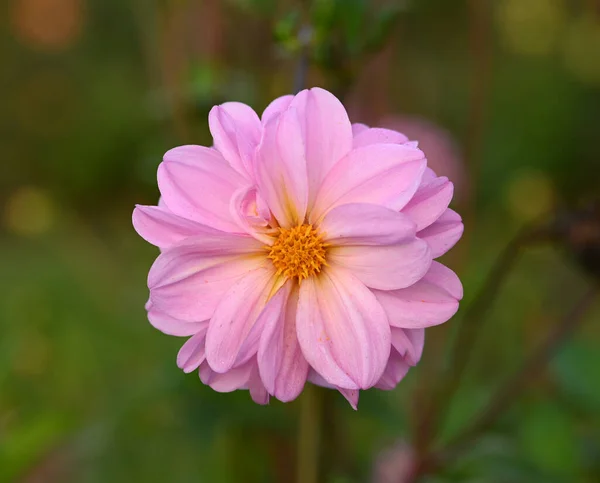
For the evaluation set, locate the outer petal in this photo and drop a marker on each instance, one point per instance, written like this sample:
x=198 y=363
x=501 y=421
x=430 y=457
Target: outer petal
x=172 y=326
x=430 y=301
x=343 y=331
x=257 y=389
x=236 y=131
x=394 y=372
x=188 y=280
x=235 y=317
x=281 y=169
x=192 y=354
x=382 y=174
x=162 y=228
x=358 y=127
x=351 y=396
x=444 y=233
x=366 y=224
x=409 y=343
x=236 y=378
x=282 y=365
x=430 y=202
x=378 y=136
x=276 y=107
x=197 y=183
x=327 y=133
x=384 y=267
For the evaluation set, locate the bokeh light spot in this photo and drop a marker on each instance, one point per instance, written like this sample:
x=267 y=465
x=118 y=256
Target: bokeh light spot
x=29 y=212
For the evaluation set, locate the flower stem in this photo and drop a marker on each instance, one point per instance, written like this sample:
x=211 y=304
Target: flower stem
x=310 y=426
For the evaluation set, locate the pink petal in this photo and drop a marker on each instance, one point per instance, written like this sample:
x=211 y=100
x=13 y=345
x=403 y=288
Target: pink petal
x=394 y=372
x=381 y=174
x=172 y=326
x=387 y=267
x=343 y=331
x=236 y=378
x=249 y=211
x=236 y=131
x=378 y=136
x=191 y=354
x=429 y=202
x=444 y=233
x=445 y=278
x=282 y=366
x=351 y=396
x=188 y=280
x=365 y=224
x=315 y=378
x=257 y=389
x=409 y=343
x=327 y=133
x=281 y=169
x=276 y=107
x=423 y=304
x=358 y=127
x=235 y=317
x=162 y=228
x=197 y=183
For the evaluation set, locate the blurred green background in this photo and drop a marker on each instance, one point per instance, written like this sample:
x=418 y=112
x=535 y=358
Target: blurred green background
x=503 y=94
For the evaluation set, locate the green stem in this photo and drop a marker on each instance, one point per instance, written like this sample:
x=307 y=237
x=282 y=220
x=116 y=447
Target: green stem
x=310 y=426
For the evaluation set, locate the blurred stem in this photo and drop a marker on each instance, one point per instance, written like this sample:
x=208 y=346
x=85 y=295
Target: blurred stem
x=468 y=333
x=310 y=435
x=534 y=364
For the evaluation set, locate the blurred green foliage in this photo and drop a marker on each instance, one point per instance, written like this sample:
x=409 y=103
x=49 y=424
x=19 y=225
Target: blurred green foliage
x=94 y=92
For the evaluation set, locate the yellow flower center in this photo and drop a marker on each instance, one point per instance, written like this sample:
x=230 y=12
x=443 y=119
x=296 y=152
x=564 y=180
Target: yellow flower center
x=298 y=252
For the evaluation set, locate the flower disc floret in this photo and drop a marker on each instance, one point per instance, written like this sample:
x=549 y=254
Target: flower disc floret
x=298 y=252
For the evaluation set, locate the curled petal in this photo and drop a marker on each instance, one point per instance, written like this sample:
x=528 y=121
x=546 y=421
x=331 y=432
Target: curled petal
x=358 y=127
x=197 y=183
x=444 y=233
x=352 y=354
x=381 y=174
x=236 y=378
x=409 y=344
x=394 y=372
x=387 y=267
x=192 y=354
x=351 y=396
x=236 y=131
x=429 y=202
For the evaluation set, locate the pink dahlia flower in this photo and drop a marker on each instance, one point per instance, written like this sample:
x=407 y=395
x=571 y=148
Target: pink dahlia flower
x=299 y=248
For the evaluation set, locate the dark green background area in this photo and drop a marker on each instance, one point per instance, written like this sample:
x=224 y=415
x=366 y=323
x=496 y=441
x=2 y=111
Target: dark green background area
x=93 y=92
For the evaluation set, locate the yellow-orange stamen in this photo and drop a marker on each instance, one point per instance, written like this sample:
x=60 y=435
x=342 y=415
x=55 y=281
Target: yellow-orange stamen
x=298 y=252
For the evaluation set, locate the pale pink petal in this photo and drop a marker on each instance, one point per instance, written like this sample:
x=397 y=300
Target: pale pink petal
x=343 y=331
x=378 y=135
x=351 y=396
x=394 y=372
x=444 y=233
x=358 y=127
x=257 y=389
x=382 y=174
x=423 y=304
x=315 y=378
x=365 y=224
x=445 y=278
x=236 y=378
x=327 y=133
x=172 y=326
x=197 y=183
x=188 y=280
x=409 y=343
x=429 y=202
x=276 y=107
x=429 y=175
x=235 y=316
x=236 y=131
x=281 y=169
x=384 y=267
x=282 y=365
x=162 y=228
x=192 y=354
x=248 y=210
